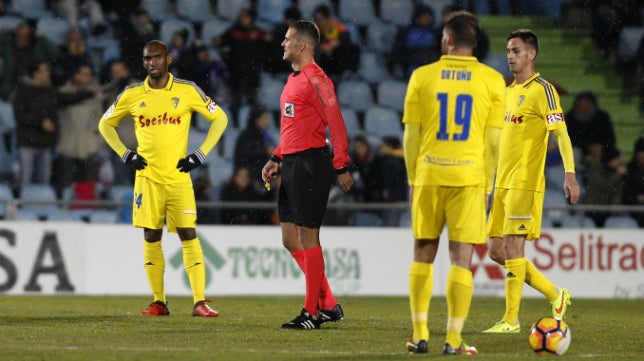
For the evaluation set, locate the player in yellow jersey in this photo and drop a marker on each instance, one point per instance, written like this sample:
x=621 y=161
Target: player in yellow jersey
x=161 y=107
x=532 y=112
x=453 y=117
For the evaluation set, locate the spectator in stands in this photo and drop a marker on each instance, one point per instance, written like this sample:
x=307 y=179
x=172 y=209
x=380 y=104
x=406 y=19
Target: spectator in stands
x=275 y=63
x=590 y=128
x=71 y=11
x=604 y=183
x=209 y=74
x=493 y=6
x=79 y=144
x=387 y=178
x=19 y=49
x=361 y=158
x=72 y=53
x=255 y=144
x=244 y=46
x=35 y=105
x=136 y=30
x=182 y=57
x=417 y=44
x=608 y=19
x=338 y=53
x=633 y=193
x=120 y=77
x=240 y=188
x=202 y=187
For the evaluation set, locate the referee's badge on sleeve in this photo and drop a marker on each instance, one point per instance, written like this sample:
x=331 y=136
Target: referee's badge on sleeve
x=289 y=110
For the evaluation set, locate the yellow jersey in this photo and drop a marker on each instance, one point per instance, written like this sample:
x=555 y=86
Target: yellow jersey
x=532 y=111
x=162 y=124
x=454 y=100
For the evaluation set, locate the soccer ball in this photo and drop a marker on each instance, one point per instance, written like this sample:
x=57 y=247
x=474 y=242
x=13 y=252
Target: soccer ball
x=549 y=337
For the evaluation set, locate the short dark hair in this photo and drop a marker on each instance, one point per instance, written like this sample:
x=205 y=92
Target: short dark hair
x=307 y=30
x=34 y=67
x=323 y=10
x=156 y=43
x=464 y=27
x=528 y=36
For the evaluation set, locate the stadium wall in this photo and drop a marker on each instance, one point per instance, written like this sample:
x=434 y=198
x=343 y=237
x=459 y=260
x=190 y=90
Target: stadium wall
x=86 y=259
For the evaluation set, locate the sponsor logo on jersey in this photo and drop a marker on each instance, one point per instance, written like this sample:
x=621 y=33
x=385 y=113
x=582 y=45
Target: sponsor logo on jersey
x=289 y=110
x=555 y=118
x=160 y=119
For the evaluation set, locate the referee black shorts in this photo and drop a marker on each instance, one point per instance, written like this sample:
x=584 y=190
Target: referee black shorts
x=306 y=181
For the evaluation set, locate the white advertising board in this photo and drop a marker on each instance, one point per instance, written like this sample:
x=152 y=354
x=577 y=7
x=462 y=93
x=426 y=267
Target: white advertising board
x=78 y=258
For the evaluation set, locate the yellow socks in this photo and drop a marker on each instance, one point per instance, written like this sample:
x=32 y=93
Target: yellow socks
x=420 y=292
x=539 y=282
x=195 y=268
x=154 y=264
x=460 y=288
x=514 y=288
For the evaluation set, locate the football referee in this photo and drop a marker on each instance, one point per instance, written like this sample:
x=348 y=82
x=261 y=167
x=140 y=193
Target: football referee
x=161 y=107
x=308 y=106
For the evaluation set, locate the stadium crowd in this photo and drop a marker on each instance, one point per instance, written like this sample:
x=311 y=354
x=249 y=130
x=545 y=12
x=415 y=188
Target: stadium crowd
x=63 y=62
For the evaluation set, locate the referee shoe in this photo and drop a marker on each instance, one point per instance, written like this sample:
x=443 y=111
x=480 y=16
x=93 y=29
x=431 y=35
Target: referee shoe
x=304 y=321
x=334 y=314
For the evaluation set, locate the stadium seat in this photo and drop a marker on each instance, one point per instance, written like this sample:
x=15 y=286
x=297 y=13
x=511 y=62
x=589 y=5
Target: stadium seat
x=229 y=9
x=55 y=29
x=170 y=26
x=355 y=94
x=307 y=6
x=119 y=192
x=365 y=219
x=397 y=12
x=629 y=40
x=35 y=193
x=357 y=12
x=380 y=37
x=27 y=215
x=555 y=177
x=575 y=221
x=405 y=219
x=228 y=142
x=372 y=67
x=9 y=22
x=269 y=93
x=272 y=10
x=158 y=10
x=66 y=215
x=391 y=94
x=499 y=63
x=213 y=27
x=351 y=122
x=31 y=9
x=6 y=197
x=104 y=217
x=556 y=199
x=194 y=10
x=220 y=170
x=621 y=221
x=381 y=122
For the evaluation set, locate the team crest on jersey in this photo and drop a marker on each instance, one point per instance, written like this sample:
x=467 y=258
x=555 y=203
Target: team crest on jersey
x=142 y=105
x=289 y=110
x=108 y=112
x=521 y=99
x=175 y=102
x=211 y=106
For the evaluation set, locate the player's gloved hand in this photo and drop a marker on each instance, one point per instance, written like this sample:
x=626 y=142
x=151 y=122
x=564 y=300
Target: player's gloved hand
x=134 y=160
x=191 y=162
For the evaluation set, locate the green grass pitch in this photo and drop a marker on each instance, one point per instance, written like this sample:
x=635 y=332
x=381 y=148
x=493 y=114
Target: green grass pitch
x=375 y=328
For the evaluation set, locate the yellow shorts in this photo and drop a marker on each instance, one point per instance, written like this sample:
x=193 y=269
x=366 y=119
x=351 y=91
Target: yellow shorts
x=516 y=212
x=461 y=208
x=154 y=202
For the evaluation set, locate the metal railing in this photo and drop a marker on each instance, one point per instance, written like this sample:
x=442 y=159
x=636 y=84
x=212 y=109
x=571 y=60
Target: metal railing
x=579 y=211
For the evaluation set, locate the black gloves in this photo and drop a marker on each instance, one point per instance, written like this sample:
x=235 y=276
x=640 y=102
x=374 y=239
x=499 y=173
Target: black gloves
x=191 y=162
x=132 y=159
